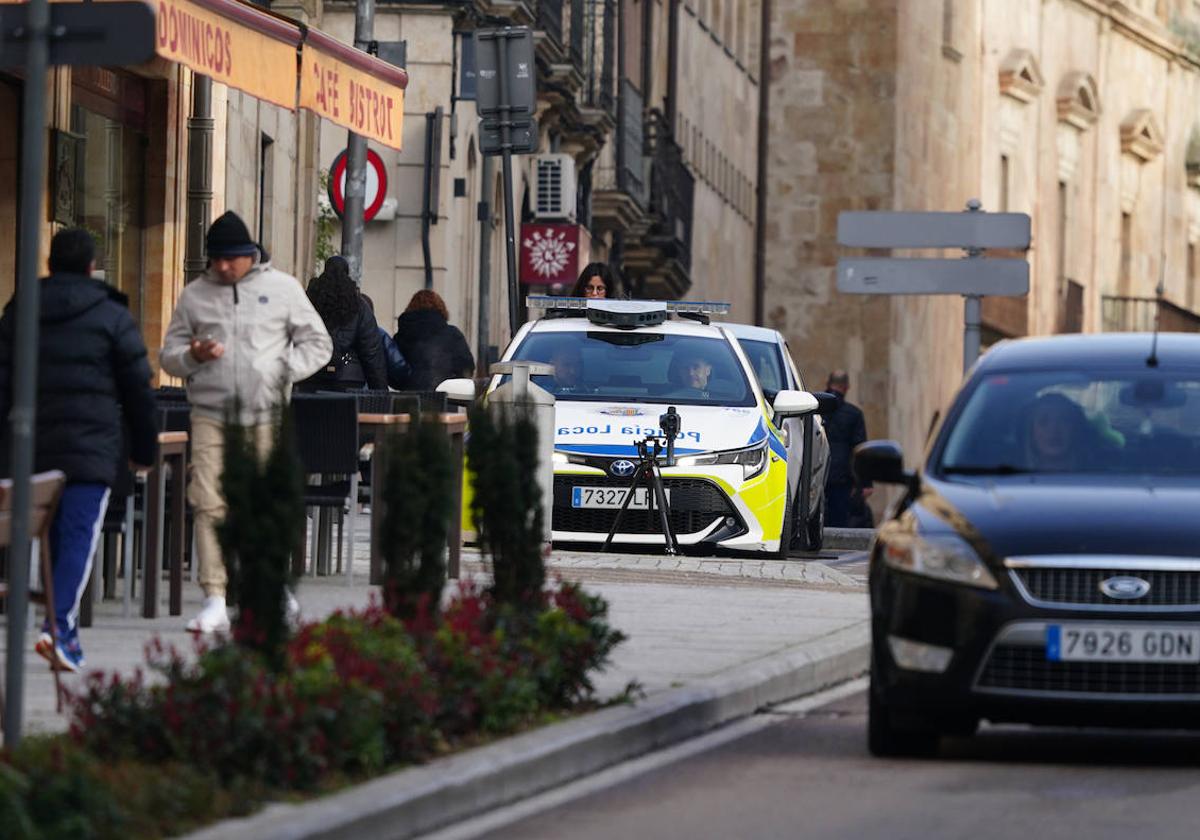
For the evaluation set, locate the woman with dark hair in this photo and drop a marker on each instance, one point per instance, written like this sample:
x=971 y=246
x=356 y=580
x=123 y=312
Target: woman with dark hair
x=358 y=359
x=436 y=350
x=596 y=281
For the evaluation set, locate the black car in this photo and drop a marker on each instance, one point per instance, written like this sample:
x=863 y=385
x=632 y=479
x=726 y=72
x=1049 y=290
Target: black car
x=1044 y=564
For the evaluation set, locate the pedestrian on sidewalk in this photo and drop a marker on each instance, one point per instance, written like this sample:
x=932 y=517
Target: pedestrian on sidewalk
x=398 y=369
x=241 y=335
x=93 y=401
x=436 y=349
x=846 y=429
x=358 y=361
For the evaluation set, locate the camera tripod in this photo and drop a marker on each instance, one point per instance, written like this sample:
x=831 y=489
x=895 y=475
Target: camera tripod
x=649 y=473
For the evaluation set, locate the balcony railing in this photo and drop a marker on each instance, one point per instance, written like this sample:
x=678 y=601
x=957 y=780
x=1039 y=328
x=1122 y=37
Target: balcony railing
x=597 y=44
x=1136 y=314
x=672 y=194
x=550 y=19
x=631 y=155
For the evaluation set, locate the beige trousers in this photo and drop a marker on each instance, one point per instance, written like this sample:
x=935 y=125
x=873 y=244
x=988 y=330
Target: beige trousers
x=204 y=494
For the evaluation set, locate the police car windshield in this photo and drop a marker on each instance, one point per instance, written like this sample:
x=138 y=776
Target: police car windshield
x=639 y=367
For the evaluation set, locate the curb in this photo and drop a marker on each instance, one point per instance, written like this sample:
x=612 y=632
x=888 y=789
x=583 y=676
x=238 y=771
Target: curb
x=421 y=799
x=850 y=538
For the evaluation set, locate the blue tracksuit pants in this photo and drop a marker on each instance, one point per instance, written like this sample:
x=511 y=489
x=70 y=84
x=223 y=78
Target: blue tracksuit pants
x=74 y=535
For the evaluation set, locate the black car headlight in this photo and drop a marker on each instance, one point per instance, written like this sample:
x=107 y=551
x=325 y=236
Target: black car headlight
x=943 y=557
x=752 y=459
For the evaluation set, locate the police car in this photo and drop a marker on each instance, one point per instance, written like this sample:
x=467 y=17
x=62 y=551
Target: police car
x=618 y=366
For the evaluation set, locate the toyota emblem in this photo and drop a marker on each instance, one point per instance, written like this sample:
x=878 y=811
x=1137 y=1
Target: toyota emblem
x=1125 y=587
x=622 y=468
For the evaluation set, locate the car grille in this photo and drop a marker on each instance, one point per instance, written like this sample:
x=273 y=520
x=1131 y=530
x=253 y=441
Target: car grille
x=1081 y=587
x=1024 y=669
x=695 y=505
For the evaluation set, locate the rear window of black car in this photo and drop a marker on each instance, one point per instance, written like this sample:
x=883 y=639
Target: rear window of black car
x=1143 y=422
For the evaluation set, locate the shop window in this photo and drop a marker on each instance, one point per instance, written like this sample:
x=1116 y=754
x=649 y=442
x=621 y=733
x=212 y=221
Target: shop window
x=110 y=185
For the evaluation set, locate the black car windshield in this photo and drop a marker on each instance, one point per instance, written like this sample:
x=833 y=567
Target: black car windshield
x=639 y=367
x=1145 y=422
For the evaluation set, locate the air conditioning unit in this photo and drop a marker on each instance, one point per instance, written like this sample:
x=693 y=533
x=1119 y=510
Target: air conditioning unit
x=554 y=187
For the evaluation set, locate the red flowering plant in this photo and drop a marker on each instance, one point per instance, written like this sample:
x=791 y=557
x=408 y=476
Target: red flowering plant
x=353 y=698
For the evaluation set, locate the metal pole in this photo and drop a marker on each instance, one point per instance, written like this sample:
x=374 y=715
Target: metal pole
x=23 y=415
x=485 y=261
x=973 y=307
x=356 y=158
x=971 y=322
x=506 y=146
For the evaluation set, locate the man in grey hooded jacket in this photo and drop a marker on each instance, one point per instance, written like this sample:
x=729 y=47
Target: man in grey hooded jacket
x=241 y=333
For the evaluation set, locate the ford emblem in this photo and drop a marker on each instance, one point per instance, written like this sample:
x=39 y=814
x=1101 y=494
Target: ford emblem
x=622 y=468
x=1125 y=587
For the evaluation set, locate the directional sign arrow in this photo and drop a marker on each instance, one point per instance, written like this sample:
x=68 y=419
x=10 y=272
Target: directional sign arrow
x=896 y=276
x=887 y=229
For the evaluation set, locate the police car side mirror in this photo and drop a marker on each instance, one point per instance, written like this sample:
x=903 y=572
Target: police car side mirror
x=458 y=390
x=794 y=404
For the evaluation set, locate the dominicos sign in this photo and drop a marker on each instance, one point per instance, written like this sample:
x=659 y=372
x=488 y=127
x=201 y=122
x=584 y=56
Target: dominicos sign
x=233 y=44
x=368 y=103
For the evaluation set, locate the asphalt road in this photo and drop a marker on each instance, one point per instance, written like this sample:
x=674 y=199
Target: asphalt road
x=807 y=774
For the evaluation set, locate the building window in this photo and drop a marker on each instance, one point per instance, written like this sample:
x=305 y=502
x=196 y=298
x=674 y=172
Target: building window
x=1192 y=280
x=1004 y=183
x=266 y=191
x=1060 y=255
x=1126 y=276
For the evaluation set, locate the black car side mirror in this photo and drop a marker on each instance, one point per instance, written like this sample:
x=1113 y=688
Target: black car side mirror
x=827 y=403
x=882 y=461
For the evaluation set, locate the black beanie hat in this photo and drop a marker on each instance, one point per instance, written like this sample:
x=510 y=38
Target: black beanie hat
x=229 y=237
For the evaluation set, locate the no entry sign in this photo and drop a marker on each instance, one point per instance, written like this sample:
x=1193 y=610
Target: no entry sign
x=376 y=185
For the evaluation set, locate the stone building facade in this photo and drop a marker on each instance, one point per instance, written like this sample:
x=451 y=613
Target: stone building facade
x=1082 y=113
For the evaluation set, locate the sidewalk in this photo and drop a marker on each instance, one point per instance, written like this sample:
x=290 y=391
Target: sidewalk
x=710 y=640
x=686 y=618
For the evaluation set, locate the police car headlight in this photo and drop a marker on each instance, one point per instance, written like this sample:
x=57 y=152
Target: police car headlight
x=753 y=460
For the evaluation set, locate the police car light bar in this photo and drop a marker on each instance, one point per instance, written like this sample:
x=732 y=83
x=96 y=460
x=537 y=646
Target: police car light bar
x=627 y=313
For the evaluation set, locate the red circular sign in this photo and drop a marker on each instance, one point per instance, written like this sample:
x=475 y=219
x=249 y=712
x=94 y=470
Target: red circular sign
x=376 y=185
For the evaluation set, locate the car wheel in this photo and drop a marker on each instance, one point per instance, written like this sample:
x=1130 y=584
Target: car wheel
x=814 y=529
x=885 y=737
x=788 y=532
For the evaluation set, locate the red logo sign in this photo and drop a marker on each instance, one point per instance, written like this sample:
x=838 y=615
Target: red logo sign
x=553 y=254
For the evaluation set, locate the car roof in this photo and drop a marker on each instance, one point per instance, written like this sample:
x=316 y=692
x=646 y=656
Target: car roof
x=673 y=326
x=1105 y=350
x=753 y=333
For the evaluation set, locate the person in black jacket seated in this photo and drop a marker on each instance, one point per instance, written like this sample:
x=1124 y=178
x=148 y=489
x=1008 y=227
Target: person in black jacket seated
x=93 y=398
x=358 y=359
x=436 y=350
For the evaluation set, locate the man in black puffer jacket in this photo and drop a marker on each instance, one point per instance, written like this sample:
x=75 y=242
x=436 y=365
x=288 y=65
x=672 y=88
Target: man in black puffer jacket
x=93 y=388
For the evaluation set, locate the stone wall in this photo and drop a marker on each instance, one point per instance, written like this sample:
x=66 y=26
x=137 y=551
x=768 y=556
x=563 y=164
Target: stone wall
x=832 y=129
x=1076 y=112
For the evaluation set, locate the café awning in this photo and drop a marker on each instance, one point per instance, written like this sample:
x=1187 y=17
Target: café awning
x=281 y=61
x=261 y=53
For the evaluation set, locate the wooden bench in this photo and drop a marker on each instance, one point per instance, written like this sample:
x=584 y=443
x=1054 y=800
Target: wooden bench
x=47 y=490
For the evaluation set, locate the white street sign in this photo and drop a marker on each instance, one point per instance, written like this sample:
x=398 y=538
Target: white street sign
x=895 y=276
x=887 y=229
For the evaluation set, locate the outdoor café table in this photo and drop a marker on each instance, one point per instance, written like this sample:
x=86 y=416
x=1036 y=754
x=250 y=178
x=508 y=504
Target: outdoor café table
x=374 y=428
x=172 y=450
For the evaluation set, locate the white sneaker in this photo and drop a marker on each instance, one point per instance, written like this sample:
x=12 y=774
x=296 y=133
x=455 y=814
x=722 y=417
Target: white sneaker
x=212 y=618
x=292 y=610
